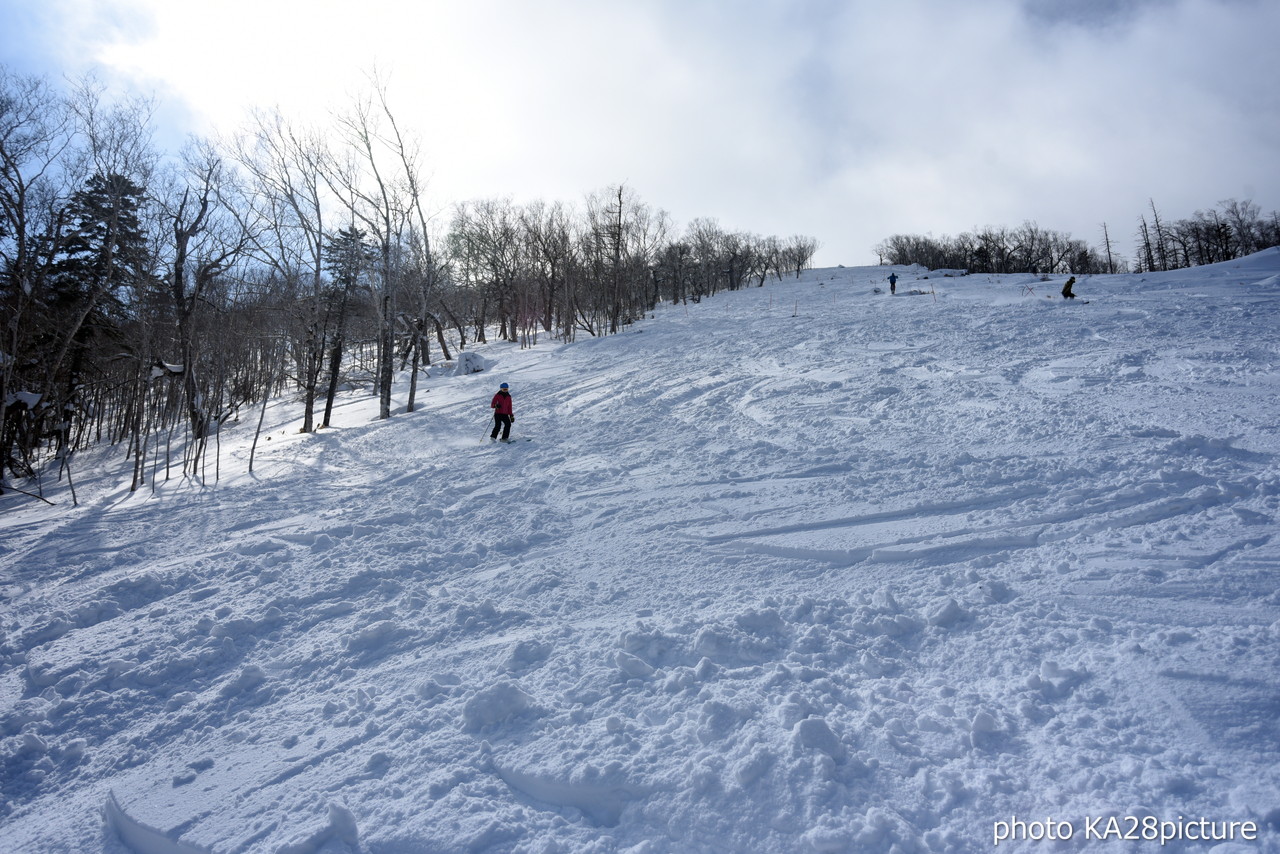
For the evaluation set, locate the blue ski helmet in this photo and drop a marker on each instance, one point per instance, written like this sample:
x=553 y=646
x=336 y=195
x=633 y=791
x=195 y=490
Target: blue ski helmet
x=504 y=385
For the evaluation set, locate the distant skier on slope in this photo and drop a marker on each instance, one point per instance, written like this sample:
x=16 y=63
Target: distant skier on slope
x=893 y=283
x=1066 y=289
x=503 y=414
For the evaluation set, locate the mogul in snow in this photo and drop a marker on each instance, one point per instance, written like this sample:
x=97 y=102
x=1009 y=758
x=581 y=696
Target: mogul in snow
x=503 y=414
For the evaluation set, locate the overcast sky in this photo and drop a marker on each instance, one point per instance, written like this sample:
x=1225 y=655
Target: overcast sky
x=847 y=121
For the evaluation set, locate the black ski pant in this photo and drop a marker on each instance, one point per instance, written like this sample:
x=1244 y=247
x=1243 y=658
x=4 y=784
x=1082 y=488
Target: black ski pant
x=503 y=423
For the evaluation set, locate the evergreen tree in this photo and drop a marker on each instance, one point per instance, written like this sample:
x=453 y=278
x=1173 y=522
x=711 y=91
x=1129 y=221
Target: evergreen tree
x=100 y=264
x=102 y=258
x=348 y=256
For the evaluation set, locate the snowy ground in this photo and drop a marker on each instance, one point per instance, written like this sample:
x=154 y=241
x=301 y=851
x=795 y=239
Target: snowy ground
x=800 y=568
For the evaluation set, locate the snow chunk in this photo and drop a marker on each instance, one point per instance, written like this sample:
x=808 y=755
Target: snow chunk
x=946 y=614
x=1251 y=517
x=141 y=839
x=600 y=795
x=373 y=636
x=731 y=646
x=754 y=765
x=341 y=827
x=996 y=592
x=246 y=681
x=497 y=704
x=1055 y=682
x=633 y=666
x=983 y=729
x=526 y=654
x=1258 y=799
x=816 y=734
x=33 y=745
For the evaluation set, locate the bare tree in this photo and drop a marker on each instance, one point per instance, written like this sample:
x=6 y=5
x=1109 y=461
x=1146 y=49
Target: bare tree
x=1106 y=242
x=382 y=190
x=421 y=266
x=550 y=253
x=205 y=240
x=620 y=242
x=287 y=201
x=1161 y=243
x=1244 y=219
x=36 y=129
x=799 y=251
x=485 y=242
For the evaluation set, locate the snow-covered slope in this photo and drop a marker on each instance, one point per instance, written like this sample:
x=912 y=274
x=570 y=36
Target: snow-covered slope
x=800 y=568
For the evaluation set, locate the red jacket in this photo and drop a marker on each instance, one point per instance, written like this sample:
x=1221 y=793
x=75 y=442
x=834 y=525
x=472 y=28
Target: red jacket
x=501 y=404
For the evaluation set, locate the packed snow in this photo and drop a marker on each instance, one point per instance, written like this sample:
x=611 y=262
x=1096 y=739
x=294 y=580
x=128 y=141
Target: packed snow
x=807 y=567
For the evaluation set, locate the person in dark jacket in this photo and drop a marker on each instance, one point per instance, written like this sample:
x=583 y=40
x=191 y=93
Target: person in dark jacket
x=893 y=283
x=503 y=414
x=1066 y=289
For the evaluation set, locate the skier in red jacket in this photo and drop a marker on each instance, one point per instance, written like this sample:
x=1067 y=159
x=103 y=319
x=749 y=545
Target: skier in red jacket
x=503 y=414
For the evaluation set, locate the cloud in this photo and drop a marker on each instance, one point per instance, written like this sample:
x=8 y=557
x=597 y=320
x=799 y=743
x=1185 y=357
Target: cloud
x=849 y=121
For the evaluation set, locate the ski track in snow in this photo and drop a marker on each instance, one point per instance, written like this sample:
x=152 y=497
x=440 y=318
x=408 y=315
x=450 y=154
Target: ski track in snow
x=798 y=568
